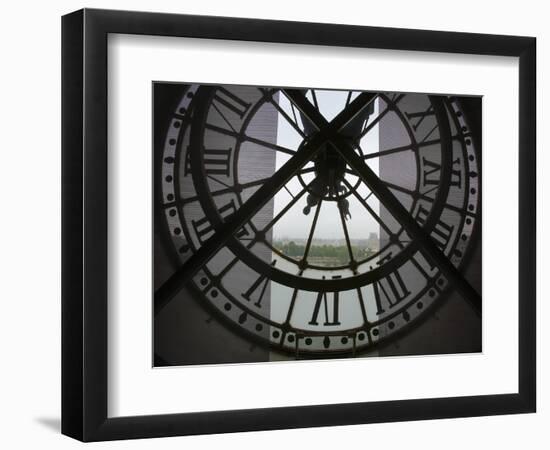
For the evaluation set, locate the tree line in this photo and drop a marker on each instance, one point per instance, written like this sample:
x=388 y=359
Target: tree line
x=339 y=252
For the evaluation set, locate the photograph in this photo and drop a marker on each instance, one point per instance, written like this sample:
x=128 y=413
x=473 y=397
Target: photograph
x=275 y=225
x=311 y=223
x=294 y=221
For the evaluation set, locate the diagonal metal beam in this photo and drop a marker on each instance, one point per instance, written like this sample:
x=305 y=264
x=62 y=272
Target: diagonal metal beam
x=345 y=117
x=256 y=201
x=394 y=206
x=231 y=225
x=389 y=200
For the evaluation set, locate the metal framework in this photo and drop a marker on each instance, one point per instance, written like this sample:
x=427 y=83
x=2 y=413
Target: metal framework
x=84 y=314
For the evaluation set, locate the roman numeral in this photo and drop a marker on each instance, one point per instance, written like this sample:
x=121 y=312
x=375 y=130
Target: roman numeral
x=231 y=101
x=261 y=285
x=442 y=231
x=389 y=291
x=217 y=161
x=203 y=228
x=432 y=173
x=331 y=317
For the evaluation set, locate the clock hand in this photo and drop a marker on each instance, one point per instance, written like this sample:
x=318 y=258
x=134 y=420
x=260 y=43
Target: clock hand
x=343 y=205
x=317 y=191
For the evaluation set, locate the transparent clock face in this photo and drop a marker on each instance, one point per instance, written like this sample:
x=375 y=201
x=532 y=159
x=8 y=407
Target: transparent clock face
x=313 y=223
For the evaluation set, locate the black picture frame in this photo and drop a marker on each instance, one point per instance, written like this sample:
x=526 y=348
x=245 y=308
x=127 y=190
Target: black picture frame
x=84 y=224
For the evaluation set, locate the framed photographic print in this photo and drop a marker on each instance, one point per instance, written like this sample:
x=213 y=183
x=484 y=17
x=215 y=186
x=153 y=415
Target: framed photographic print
x=274 y=224
x=322 y=268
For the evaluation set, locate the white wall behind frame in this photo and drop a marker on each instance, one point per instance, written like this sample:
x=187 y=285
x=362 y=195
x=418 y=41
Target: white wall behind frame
x=30 y=169
x=135 y=389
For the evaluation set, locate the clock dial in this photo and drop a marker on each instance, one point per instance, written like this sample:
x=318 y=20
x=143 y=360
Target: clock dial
x=298 y=205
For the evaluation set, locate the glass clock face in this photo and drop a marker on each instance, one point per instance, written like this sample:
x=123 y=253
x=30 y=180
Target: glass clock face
x=276 y=210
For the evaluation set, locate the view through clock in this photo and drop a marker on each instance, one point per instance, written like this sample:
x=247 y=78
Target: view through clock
x=305 y=223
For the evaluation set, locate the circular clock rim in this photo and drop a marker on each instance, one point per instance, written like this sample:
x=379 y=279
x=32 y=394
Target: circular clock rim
x=202 y=98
